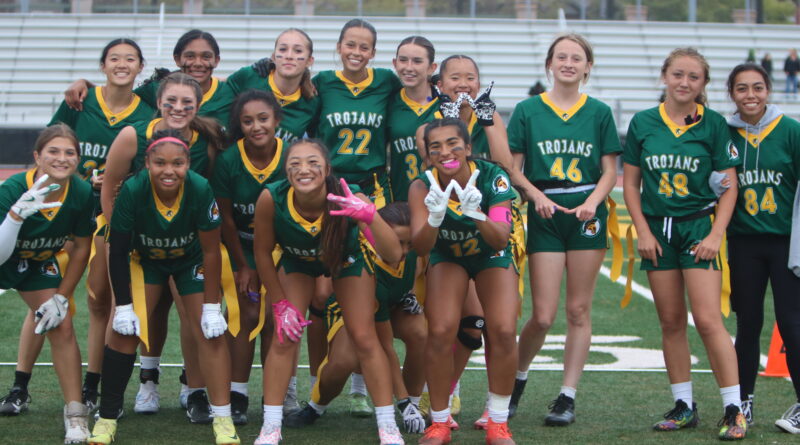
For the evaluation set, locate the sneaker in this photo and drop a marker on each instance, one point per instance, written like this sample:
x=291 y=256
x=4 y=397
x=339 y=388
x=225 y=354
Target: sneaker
x=15 y=402
x=225 y=432
x=76 y=422
x=147 y=399
x=90 y=396
x=679 y=417
x=103 y=432
x=498 y=434
x=455 y=405
x=270 y=434
x=454 y=426
x=436 y=434
x=733 y=423
x=480 y=424
x=389 y=434
x=562 y=411
x=747 y=410
x=790 y=421
x=239 y=405
x=359 y=406
x=290 y=402
x=516 y=395
x=302 y=417
x=425 y=404
x=198 y=410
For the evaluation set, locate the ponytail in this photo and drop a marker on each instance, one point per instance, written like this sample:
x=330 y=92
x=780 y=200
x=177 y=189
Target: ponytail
x=307 y=88
x=334 y=230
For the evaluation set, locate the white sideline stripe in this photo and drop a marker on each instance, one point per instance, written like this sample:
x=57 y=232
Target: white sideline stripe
x=646 y=293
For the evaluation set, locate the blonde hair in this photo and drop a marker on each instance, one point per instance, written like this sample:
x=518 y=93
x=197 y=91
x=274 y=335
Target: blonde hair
x=572 y=37
x=695 y=54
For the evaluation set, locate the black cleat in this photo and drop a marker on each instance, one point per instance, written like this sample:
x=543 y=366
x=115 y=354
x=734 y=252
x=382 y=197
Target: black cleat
x=15 y=402
x=239 y=403
x=303 y=417
x=198 y=410
x=516 y=395
x=562 y=411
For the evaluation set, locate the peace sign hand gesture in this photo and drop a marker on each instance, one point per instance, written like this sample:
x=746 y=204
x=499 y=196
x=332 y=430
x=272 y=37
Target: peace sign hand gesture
x=352 y=206
x=436 y=200
x=33 y=200
x=470 y=198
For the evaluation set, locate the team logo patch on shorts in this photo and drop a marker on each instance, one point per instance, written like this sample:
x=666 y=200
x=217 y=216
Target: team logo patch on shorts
x=692 y=250
x=49 y=269
x=591 y=228
x=22 y=266
x=213 y=212
x=500 y=184
x=349 y=261
x=198 y=273
x=733 y=152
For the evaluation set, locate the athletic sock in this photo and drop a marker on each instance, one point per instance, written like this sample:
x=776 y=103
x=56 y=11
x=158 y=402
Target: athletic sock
x=522 y=375
x=683 y=391
x=273 y=414
x=320 y=409
x=730 y=396
x=357 y=384
x=149 y=362
x=440 y=416
x=221 y=410
x=91 y=380
x=498 y=407
x=21 y=379
x=117 y=370
x=569 y=391
x=240 y=387
x=385 y=415
x=415 y=399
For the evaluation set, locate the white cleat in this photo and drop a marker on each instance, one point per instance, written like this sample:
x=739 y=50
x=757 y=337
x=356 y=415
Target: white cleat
x=76 y=423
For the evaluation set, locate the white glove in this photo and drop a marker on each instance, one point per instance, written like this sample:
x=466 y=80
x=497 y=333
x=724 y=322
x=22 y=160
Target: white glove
x=413 y=422
x=125 y=320
x=470 y=198
x=436 y=200
x=212 y=322
x=719 y=182
x=33 y=200
x=50 y=314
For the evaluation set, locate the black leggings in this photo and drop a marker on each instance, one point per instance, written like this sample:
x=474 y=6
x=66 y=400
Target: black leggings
x=753 y=260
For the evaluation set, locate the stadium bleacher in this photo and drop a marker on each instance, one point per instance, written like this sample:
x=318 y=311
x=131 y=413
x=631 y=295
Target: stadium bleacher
x=35 y=66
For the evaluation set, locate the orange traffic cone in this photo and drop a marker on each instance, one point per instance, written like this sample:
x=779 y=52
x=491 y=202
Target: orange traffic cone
x=776 y=361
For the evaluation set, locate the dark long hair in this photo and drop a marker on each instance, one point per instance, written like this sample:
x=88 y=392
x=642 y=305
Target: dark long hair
x=396 y=214
x=235 y=126
x=747 y=67
x=334 y=228
x=192 y=35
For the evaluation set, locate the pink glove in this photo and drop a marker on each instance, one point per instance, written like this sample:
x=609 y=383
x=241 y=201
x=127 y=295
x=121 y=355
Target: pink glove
x=288 y=320
x=352 y=206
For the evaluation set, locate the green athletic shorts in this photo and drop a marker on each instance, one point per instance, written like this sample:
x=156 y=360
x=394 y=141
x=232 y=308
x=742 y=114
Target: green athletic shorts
x=474 y=264
x=565 y=232
x=30 y=275
x=678 y=240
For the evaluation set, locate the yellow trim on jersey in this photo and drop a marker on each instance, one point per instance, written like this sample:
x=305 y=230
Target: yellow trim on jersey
x=356 y=88
x=283 y=99
x=211 y=91
x=756 y=138
x=167 y=212
x=151 y=128
x=314 y=228
x=415 y=106
x=262 y=174
x=675 y=129
x=52 y=212
x=565 y=115
x=111 y=117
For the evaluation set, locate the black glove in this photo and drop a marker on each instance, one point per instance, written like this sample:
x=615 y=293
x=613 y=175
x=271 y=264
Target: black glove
x=447 y=107
x=263 y=67
x=158 y=75
x=484 y=107
x=413 y=422
x=410 y=304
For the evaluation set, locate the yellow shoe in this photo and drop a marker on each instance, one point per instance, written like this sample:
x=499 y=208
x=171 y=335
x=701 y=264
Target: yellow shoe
x=455 y=406
x=103 y=432
x=425 y=404
x=225 y=432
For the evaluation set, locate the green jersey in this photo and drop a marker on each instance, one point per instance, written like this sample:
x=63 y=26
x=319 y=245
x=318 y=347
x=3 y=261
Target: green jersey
x=97 y=126
x=162 y=232
x=198 y=147
x=563 y=146
x=44 y=233
x=216 y=101
x=767 y=177
x=458 y=235
x=677 y=160
x=298 y=111
x=298 y=237
x=352 y=120
x=405 y=117
x=237 y=179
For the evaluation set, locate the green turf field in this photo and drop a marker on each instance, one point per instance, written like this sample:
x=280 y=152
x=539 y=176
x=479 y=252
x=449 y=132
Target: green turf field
x=612 y=406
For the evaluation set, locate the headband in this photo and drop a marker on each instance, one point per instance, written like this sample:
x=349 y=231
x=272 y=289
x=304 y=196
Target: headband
x=174 y=140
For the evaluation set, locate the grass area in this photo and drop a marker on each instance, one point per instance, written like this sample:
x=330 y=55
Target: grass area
x=612 y=407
